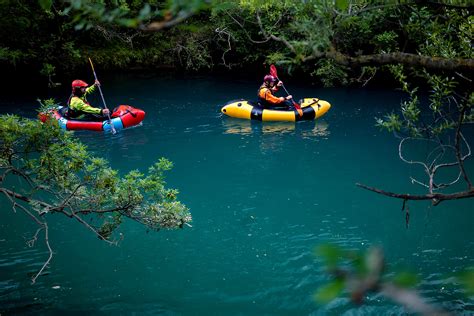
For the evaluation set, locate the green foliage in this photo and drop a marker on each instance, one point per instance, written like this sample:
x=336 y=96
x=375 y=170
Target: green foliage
x=466 y=278
x=88 y=13
x=330 y=73
x=359 y=273
x=442 y=90
x=11 y=56
x=109 y=226
x=61 y=176
x=109 y=29
x=46 y=4
x=342 y=5
x=411 y=114
x=269 y=7
x=330 y=291
x=47 y=70
x=386 y=42
x=405 y=279
x=398 y=73
x=46 y=106
x=330 y=254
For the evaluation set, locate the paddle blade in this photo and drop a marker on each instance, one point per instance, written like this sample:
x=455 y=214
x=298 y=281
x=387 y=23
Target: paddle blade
x=296 y=105
x=273 y=71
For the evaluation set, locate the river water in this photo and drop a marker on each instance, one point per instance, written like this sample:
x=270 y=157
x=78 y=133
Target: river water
x=262 y=195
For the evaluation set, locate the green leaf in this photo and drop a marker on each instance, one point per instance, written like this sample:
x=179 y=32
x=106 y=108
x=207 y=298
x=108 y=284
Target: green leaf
x=46 y=4
x=128 y=22
x=328 y=292
x=467 y=279
x=330 y=254
x=342 y=5
x=405 y=279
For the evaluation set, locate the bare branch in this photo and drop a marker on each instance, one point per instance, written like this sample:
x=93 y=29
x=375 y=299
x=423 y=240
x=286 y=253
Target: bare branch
x=410 y=299
x=43 y=226
x=10 y=195
x=435 y=197
x=223 y=32
x=16 y=171
x=411 y=162
x=457 y=145
x=109 y=34
x=46 y=239
x=23 y=198
x=273 y=37
x=358 y=285
x=62 y=205
x=433 y=168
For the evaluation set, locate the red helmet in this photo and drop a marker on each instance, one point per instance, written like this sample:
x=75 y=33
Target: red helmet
x=269 y=78
x=78 y=84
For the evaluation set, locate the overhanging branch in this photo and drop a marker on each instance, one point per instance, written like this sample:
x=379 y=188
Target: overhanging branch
x=435 y=197
x=429 y=62
x=414 y=60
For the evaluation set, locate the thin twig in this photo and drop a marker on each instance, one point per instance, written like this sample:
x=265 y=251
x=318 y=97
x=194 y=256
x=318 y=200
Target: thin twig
x=46 y=239
x=457 y=145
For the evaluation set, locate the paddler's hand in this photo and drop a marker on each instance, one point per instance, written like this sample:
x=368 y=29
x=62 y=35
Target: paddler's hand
x=289 y=97
x=105 y=112
x=97 y=83
x=280 y=83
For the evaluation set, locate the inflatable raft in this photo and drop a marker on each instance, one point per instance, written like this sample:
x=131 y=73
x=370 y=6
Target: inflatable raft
x=313 y=108
x=123 y=116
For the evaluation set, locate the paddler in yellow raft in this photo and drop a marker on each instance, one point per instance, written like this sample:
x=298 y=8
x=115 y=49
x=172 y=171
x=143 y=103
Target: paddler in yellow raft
x=272 y=108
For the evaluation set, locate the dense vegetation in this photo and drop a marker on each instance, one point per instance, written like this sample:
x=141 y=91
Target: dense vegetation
x=345 y=42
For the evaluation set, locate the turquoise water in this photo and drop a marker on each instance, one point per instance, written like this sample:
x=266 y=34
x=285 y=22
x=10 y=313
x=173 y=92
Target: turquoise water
x=262 y=196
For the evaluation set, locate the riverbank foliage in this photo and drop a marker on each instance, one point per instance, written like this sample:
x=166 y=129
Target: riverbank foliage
x=335 y=43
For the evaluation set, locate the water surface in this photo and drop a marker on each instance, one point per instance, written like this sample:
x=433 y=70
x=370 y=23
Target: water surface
x=262 y=196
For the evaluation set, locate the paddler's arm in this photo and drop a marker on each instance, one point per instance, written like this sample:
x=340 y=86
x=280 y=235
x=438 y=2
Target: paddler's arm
x=91 y=89
x=268 y=96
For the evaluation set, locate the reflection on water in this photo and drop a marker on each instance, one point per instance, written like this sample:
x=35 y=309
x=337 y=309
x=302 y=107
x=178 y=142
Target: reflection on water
x=318 y=129
x=269 y=134
x=305 y=129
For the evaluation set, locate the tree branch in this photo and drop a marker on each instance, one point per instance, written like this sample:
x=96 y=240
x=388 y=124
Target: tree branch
x=23 y=198
x=410 y=299
x=429 y=62
x=273 y=37
x=457 y=145
x=43 y=225
x=46 y=239
x=93 y=229
x=435 y=197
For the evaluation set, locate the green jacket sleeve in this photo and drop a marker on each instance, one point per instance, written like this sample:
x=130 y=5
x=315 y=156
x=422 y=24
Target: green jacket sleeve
x=90 y=89
x=79 y=105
